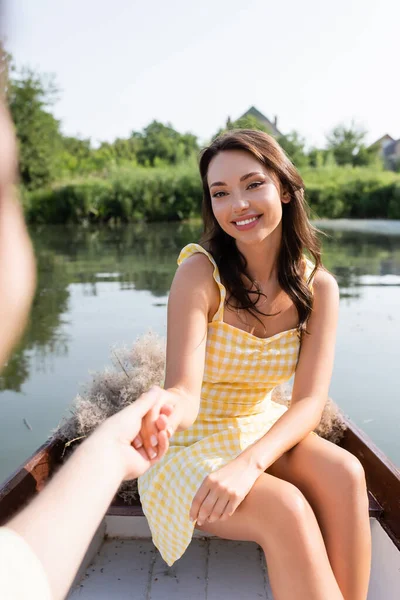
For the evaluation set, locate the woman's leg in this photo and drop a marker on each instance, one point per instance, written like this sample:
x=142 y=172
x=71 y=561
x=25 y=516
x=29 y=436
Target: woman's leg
x=276 y=515
x=333 y=481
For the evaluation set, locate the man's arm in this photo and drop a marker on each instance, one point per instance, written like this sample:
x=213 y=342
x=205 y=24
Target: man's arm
x=60 y=522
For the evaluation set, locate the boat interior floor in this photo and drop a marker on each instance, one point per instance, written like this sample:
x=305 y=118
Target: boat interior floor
x=210 y=569
x=122 y=563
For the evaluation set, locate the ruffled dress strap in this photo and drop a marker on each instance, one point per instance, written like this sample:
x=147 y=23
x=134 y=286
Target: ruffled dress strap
x=191 y=249
x=309 y=267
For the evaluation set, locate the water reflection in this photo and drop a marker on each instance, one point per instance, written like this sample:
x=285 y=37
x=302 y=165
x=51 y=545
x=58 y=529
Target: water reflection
x=353 y=255
x=143 y=257
x=44 y=336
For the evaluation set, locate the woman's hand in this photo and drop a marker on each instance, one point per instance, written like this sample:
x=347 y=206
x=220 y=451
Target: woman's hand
x=115 y=436
x=164 y=415
x=222 y=491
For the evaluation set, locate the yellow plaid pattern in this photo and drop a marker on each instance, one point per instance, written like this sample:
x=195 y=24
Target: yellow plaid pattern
x=236 y=409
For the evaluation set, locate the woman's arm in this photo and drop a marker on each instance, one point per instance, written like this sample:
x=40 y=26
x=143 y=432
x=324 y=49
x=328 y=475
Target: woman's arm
x=312 y=378
x=193 y=300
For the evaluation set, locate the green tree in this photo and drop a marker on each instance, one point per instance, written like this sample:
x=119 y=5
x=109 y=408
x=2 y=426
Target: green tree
x=316 y=157
x=368 y=157
x=247 y=122
x=250 y=122
x=126 y=149
x=38 y=133
x=329 y=158
x=5 y=59
x=293 y=144
x=348 y=147
x=78 y=147
x=78 y=157
x=74 y=156
x=161 y=144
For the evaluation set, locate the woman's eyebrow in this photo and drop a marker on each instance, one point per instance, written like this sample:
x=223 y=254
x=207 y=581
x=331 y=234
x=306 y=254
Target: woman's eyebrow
x=243 y=178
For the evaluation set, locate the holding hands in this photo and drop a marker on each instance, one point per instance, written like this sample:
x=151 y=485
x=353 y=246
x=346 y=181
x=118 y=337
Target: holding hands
x=129 y=435
x=157 y=415
x=139 y=436
x=162 y=416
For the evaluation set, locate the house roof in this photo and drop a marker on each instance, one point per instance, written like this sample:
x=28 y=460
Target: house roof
x=390 y=148
x=384 y=138
x=263 y=119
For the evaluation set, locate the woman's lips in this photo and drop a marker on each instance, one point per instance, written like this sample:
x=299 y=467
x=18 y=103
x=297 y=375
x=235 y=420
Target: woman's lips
x=253 y=222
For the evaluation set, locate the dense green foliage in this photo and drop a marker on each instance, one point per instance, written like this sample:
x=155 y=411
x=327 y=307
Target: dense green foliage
x=353 y=192
x=246 y=122
x=125 y=195
x=160 y=144
x=152 y=175
x=348 y=147
x=174 y=193
x=36 y=128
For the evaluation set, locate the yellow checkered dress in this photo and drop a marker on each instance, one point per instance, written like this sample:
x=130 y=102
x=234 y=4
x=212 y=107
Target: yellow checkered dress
x=236 y=409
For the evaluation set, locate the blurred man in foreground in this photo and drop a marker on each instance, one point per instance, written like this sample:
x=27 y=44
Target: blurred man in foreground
x=42 y=547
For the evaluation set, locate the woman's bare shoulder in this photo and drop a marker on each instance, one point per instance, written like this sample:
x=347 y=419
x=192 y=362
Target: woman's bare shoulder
x=325 y=283
x=196 y=265
x=194 y=276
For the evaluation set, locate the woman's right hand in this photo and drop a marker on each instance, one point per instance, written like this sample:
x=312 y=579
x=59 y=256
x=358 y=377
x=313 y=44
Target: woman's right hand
x=163 y=415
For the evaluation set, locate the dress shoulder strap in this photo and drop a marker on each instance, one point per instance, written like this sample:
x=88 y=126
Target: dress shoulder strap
x=309 y=267
x=191 y=249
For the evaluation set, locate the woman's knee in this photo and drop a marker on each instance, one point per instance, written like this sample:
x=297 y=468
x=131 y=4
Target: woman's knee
x=350 y=482
x=279 y=507
x=345 y=477
x=272 y=511
x=353 y=472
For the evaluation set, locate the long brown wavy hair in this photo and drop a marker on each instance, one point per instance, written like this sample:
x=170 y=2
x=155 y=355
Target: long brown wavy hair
x=298 y=235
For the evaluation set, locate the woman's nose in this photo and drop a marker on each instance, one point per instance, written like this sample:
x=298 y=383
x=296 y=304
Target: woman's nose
x=239 y=203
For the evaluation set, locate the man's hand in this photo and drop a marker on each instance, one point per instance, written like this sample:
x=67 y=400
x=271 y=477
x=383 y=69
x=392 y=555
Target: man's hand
x=117 y=433
x=165 y=413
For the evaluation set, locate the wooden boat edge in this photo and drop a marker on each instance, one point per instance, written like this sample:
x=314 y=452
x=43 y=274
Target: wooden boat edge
x=383 y=480
x=383 y=477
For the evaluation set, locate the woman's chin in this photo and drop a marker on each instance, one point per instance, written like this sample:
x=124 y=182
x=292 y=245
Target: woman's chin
x=258 y=238
x=252 y=237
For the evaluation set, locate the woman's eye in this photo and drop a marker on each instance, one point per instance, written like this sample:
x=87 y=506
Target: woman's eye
x=217 y=194
x=256 y=184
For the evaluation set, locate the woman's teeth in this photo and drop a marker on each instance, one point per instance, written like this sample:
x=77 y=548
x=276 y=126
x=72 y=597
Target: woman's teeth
x=246 y=222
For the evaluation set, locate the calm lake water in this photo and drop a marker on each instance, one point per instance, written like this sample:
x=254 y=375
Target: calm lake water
x=101 y=287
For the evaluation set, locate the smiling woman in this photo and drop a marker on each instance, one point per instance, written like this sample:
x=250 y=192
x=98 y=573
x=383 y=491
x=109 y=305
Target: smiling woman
x=246 y=311
x=257 y=183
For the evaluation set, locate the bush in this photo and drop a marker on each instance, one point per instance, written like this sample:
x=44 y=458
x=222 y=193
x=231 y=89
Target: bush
x=70 y=203
x=351 y=192
x=394 y=204
x=174 y=193
x=157 y=194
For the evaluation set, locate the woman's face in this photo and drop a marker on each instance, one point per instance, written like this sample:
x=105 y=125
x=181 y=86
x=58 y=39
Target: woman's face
x=246 y=198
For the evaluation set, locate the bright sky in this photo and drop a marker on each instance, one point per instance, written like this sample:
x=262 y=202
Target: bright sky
x=121 y=64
